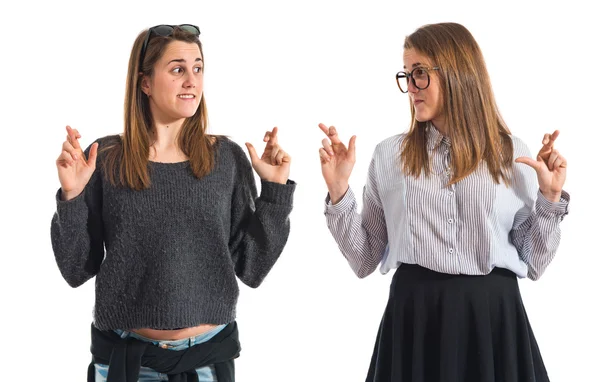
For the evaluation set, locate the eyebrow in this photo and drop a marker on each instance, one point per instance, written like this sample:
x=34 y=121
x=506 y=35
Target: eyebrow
x=182 y=60
x=416 y=64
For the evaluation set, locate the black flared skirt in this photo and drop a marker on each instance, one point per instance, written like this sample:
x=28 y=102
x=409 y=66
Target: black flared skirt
x=455 y=328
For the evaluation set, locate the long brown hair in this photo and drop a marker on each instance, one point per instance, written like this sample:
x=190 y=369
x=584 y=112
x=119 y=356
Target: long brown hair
x=475 y=127
x=126 y=162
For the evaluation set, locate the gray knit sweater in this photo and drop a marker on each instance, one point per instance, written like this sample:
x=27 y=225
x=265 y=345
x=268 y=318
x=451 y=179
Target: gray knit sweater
x=168 y=256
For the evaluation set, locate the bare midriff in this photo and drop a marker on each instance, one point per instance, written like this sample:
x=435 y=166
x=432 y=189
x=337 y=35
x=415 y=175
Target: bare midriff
x=177 y=334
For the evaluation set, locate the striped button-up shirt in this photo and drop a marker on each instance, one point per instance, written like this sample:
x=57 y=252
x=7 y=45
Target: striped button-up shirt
x=467 y=228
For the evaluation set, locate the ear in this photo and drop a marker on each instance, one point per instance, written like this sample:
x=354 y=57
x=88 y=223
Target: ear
x=146 y=88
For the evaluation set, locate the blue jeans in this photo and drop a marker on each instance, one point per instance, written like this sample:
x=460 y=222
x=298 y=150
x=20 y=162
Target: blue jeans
x=205 y=374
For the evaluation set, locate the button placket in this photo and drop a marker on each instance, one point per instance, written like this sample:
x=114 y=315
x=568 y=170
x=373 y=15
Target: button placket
x=451 y=218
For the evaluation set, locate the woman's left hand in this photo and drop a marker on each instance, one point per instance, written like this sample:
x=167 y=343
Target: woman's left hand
x=274 y=164
x=550 y=166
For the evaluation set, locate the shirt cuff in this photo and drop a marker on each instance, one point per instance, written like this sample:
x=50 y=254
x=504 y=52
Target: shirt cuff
x=343 y=205
x=560 y=208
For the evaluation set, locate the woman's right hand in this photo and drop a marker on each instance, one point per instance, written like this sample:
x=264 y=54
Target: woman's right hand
x=337 y=162
x=74 y=170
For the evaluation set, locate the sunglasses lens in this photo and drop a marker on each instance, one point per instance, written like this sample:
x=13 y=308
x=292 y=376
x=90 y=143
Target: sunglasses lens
x=190 y=28
x=163 y=30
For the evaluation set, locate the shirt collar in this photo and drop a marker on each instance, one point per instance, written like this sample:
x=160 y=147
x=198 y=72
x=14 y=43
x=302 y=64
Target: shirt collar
x=435 y=138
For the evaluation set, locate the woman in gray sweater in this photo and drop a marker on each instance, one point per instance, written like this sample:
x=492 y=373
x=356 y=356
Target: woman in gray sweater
x=166 y=216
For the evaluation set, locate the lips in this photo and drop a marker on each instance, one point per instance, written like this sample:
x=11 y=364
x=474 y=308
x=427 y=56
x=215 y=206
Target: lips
x=418 y=101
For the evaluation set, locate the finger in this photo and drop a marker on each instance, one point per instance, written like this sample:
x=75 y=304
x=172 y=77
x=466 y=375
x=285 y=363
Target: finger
x=74 y=131
x=549 y=139
x=271 y=136
x=554 y=136
x=68 y=138
x=563 y=163
x=93 y=155
x=73 y=137
x=274 y=134
x=274 y=151
x=252 y=152
x=71 y=150
x=279 y=157
x=331 y=133
x=352 y=148
x=287 y=158
x=66 y=158
x=558 y=163
x=551 y=159
x=324 y=156
x=529 y=162
x=546 y=139
x=324 y=128
x=327 y=146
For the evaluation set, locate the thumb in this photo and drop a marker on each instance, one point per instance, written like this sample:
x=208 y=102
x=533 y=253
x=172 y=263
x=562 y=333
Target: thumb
x=352 y=147
x=252 y=152
x=529 y=162
x=93 y=155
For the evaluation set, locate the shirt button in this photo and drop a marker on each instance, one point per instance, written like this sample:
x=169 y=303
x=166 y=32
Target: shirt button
x=450 y=221
x=164 y=346
x=450 y=193
x=451 y=250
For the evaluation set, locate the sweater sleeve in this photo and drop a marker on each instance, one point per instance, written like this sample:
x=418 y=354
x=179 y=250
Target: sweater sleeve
x=259 y=225
x=77 y=232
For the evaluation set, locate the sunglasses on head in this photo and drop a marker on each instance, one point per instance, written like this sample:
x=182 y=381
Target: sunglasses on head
x=165 y=31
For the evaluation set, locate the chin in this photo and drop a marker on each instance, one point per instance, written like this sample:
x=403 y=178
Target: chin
x=422 y=118
x=187 y=113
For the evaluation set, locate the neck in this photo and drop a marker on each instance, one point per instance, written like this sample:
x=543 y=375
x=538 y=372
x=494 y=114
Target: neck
x=440 y=125
x=165 y=129
x=165 y=132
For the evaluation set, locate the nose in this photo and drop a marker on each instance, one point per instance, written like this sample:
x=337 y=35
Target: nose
x=190 y=81
x=411 y=86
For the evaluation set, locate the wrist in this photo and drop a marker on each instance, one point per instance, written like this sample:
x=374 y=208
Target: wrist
x=552 y=196
x=68 y=195
x=277 y=180
x=337 y=191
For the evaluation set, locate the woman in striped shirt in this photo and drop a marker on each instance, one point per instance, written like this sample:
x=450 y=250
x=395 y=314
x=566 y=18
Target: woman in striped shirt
x=460 y=210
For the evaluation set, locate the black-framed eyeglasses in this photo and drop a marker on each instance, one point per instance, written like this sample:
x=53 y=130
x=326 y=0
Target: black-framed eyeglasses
x=419 y=76
x=165 y=31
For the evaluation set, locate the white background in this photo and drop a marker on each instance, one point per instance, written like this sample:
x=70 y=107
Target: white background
x=292 y=65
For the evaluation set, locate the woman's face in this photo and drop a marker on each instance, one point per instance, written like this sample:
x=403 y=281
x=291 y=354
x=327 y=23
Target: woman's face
x=427 y=103
x=176 y=85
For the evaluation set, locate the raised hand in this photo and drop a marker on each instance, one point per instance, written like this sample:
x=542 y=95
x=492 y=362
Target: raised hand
x=337 y=162
x=550 y=166
x=74 y=169
x=274 y=164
